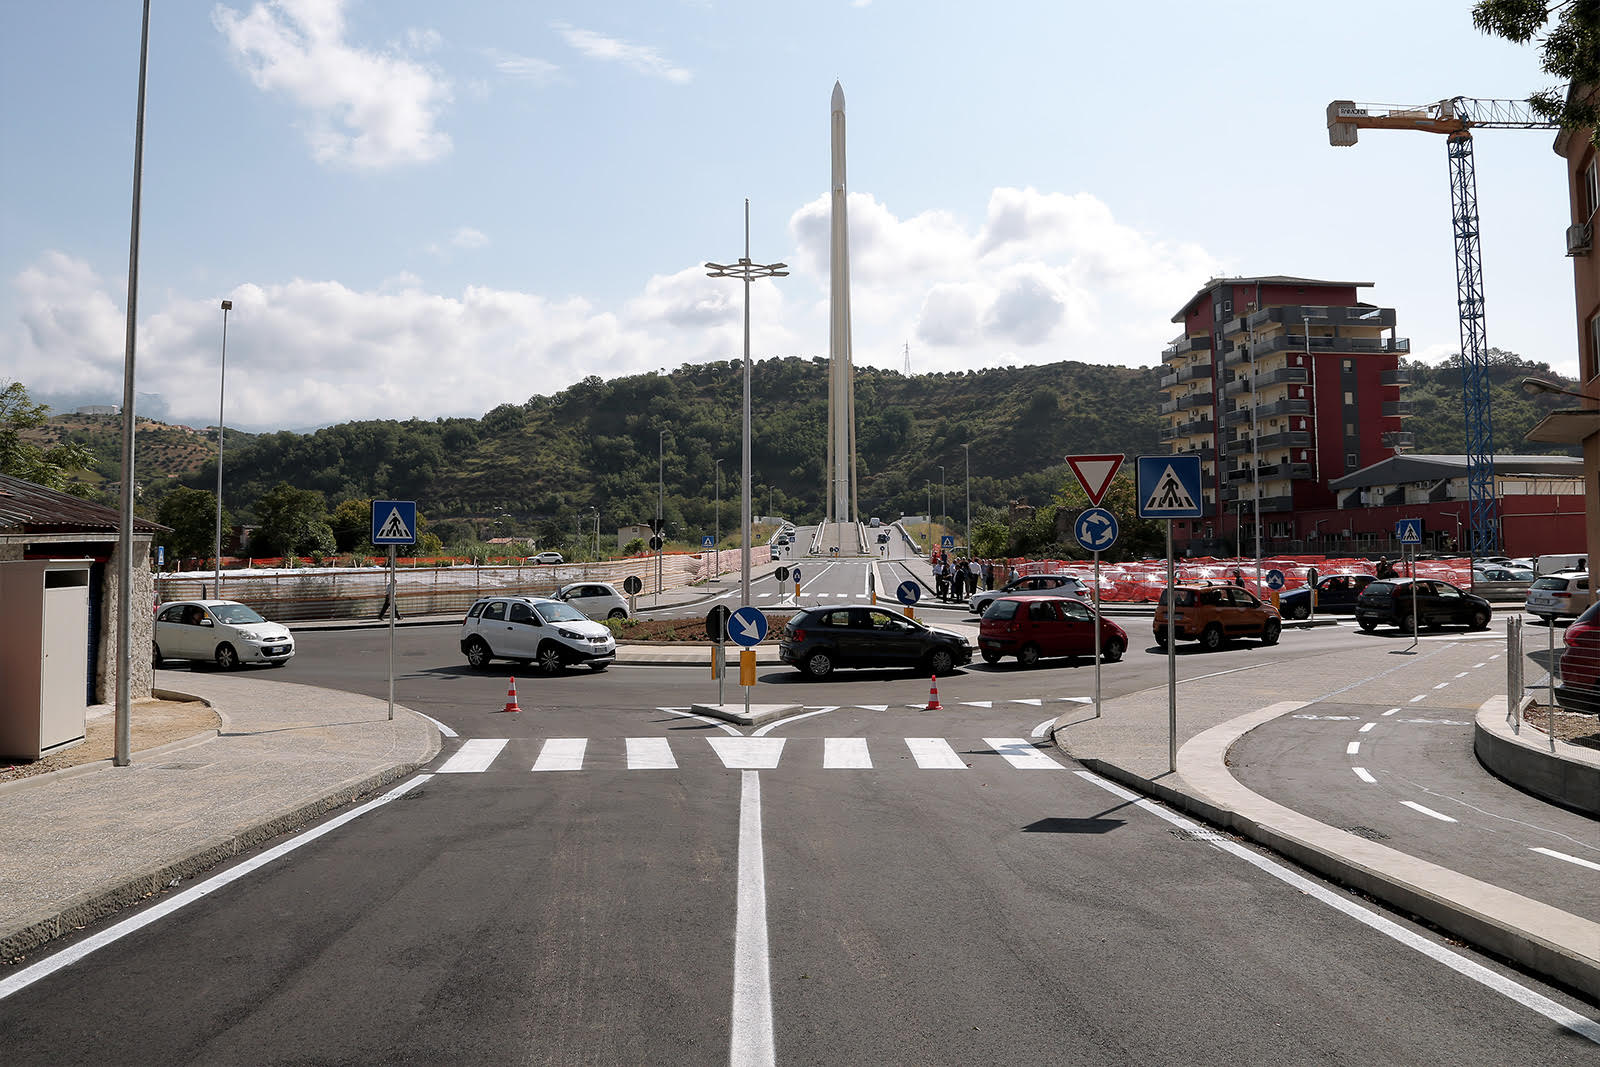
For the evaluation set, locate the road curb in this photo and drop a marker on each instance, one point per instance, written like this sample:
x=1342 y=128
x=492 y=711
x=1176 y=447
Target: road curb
x=1569 y=776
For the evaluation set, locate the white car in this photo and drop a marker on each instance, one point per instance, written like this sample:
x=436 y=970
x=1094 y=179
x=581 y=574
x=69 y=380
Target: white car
x=598 y=600
x=547 y=557
x=529 y=629
x=1053 y=584
x=1563 y=595
x=223 y=632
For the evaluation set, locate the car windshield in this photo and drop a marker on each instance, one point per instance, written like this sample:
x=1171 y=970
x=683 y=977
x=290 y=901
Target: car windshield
x=1379 y=588
x=561 y=613
x=1550 y=583
x=235 y=614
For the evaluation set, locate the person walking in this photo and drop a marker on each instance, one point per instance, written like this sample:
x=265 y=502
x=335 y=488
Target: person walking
x=958 y=579
x=941 y=578
x=974 y=572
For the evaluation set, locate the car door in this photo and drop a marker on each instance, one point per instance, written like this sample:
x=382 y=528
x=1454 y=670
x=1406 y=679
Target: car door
x=1243 y=614
x=893 y=640
x=524 y=630
x=1451 y=605
x=173 y=633
x=1077 y=628
x=492 y=627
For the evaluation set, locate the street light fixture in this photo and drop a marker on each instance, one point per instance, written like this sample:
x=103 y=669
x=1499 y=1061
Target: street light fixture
x=222 y=387
x=747 y=272
x=1535 y=386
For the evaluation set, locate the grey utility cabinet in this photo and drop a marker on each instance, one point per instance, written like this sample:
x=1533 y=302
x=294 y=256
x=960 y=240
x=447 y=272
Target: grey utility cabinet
x=44 y=655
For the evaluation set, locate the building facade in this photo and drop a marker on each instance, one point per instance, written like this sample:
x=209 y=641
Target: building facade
x=1281 y=385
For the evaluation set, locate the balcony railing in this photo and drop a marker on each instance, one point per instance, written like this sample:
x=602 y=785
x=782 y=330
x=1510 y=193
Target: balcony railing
x=1192 y=373
x=1292 y=375
x=1396 y=407
x=1191 y=428
x=1399 y=439
x=1286 y=439
x=1284 y=407
x=1184 y=346
x=1398 y=376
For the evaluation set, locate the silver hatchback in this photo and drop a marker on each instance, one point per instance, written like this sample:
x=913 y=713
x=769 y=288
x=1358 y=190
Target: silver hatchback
x=1563 y=595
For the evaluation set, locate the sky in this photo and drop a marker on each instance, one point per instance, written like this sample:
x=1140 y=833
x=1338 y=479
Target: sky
x=426 y=210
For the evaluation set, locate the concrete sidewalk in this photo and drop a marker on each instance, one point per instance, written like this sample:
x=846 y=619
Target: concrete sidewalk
x=1129 y=743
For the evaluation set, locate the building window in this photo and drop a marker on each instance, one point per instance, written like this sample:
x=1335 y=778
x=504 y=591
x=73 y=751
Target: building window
x=1349 y=364
x=1350 y=461
x=1591 y=358
x=1589 y=202
x=1349 y=429
x=1349 y=398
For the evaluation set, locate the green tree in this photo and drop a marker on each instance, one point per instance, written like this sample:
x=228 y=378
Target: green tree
x=1570 y=51
x=50 y=467
x=192 y=514
x=293 y=522
x=352 y=525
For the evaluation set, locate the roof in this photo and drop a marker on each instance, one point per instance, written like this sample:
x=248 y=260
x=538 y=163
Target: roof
x=26 y=507
x=1265 y=279
x=1412 y=467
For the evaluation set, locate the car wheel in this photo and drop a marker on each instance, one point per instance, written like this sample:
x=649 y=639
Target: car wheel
x=1113 y=650
x=478 y=654
x=1367 y=625
x=549 y=658
x=1300 y=611
x=1161 y=641
x=617 y=613
x=1406 y=622
x=990 y=657
x=1029 y=655
x=1270 y=632
x=819 y=665
x=227 y=658
x=1480 y=620
x=1211 y=638
x=155 y=654
x=940 y=661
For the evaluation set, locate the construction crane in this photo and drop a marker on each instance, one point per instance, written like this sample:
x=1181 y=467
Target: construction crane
x=1456 y=118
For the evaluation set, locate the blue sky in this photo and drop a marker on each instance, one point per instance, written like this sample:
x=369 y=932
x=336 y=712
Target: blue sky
x=424 y=209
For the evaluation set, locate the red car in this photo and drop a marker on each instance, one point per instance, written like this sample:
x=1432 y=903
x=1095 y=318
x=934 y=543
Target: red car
x=1031 y=627
x=1580 y=664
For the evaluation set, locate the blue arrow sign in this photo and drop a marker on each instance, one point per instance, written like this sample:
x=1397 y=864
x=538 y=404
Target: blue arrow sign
x=1169 y=487
x=747 y=626
x=708 y=541
x=1408 y=531
x=394 y=522
x=908 y=593
x=1275 y=579
x=1096 y=530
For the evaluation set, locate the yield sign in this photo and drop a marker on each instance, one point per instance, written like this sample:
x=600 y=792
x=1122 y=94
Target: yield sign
x=1095 y=473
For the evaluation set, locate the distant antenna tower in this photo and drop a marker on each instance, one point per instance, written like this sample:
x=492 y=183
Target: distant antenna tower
x=907 y=348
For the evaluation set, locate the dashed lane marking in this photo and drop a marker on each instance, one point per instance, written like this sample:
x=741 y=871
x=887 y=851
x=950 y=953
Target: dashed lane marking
x=1353 y=748
x=1570 y=859
x=1361 y=773
x=1414 y=806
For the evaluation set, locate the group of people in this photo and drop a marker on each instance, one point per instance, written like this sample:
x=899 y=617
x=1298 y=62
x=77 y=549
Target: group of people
x=960 y=577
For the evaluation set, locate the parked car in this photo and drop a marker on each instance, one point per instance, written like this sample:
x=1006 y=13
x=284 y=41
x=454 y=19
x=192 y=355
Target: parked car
x=529 y=629
x=1391 y=601
x=1579 y=670
x=547 y=557
x=1214 y=614
x=223 y=632
x=1493 y=573
x=1034 y=627
x=774 y=552
x=598 y=600
x=1558 y=563
x=1336 y=595
x=1558 y=596
x=820 y=639
x=1058 y=584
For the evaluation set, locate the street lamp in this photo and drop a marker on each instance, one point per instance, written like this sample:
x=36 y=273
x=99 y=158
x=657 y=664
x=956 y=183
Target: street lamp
x=716 y=548
x=968 y=449
x=1535 y=386
x=747 y=272
x=661 y=497
x=927 y=534
x=944 y=504
x=596 y=532
x=222 y=386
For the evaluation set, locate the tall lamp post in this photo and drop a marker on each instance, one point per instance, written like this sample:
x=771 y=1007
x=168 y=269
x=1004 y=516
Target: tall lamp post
x=944 y=503
x=661 y=498
x=747 y=272
x=222 y=393
x=928 y=534
x=968 y=449
x=596 y=532
x=716 y=548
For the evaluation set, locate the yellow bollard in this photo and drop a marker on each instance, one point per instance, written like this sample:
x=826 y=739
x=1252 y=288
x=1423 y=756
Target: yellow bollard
x=717 y=665
x=747 y=666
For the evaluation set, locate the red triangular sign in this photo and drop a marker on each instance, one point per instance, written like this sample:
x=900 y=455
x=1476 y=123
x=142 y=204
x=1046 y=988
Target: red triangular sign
x=1095 y=473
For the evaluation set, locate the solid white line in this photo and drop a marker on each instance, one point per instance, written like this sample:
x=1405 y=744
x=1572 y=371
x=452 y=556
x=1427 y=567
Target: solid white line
x=1570 y=859
x=1556 y=1013
x=650 y=754
x=934 y=754
x=1022 y=755
x=977 y=703
x=1414 y=806
x=1367 y=727
x=473 y=756
x=561 y=754
x=748 y=753
x=1352 y=748
x=1361 y=773
x=443 y=729
x=718 y=723
x=845 y=753
x=22 y=979
x=792 y=718
x=1038 y=731
x=750 y=1040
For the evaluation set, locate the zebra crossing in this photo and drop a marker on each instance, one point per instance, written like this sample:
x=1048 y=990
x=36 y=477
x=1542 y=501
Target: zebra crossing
x=557 y=754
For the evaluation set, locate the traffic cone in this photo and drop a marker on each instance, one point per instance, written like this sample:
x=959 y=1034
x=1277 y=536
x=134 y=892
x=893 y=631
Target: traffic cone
x=511 y=698
x=933 y=696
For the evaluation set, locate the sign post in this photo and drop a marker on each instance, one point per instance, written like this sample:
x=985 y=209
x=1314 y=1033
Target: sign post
x=748 y=628
x=717 y=630
x=908 y=593
x=1169 y=488
x=1096 y=529
x=1409 y=533
x=394 y=522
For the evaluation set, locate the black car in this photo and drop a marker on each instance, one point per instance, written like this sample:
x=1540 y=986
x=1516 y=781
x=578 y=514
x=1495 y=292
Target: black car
x=859 y=635
x=1390 y=602
x=1336 y=595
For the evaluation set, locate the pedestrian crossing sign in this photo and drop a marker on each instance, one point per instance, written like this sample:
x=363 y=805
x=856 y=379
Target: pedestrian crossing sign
x=394 y=522
x=1408 y=531
x=1169 y=487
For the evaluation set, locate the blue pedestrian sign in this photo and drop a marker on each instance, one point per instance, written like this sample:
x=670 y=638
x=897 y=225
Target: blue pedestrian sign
x=1275 y=579
x=161 y=555
x=394 y=522
x=947 y=541
x=1169 y=487
x=708 y=541
x=1408 y=531
x=908 y=593
x=1096 y=530
x=747 y=626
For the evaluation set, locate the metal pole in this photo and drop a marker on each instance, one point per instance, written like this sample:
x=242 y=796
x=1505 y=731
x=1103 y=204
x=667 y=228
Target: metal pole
x=125 y=606
x=1172 y=662
x=1411 y=570
x=661 y=496
x=1097 y=633
x=394 y=609
x=222 y=393
x=968 y=449
x=744 y=452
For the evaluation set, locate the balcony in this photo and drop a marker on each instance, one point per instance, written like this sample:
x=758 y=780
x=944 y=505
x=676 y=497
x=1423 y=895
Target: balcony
x=1299 y=314
x=1396 y=407
x=1192 y=428
x=1399 y=439
x=1184 y=346
x=1398 y=376
x=1284 y=407
x=1193 y=373
x=1237 y=416
x=1238 y=385
x=1290 y=375
x=1274 y=471
x=1298 y=343
x=1286 y=439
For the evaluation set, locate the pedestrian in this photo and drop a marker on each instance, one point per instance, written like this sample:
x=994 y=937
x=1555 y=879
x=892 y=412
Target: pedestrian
x=1385 y=569
x=1014 y=576
x=958 y=579
x=988 y=574
x=389 y=604
x=974 y=572
x=940 y=579
x=1238 y=579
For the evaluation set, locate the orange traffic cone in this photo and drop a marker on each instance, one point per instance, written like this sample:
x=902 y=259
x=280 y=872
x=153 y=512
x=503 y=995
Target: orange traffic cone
x=511 y=698
x=933 y=696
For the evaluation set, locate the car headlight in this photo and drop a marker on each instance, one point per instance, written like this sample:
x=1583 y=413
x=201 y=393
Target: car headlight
x=570 y=635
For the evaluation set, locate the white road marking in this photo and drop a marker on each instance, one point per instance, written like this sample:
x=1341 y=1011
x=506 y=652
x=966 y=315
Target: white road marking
x=1570 y=859
x=1361 y=773
x=1391 y=711
x=873 y=707
x=845 y=753
x=443 y=729
x=1038 y=731
x=1022 y=755
x=1329 y=718
x=473 y=756
x=1419 y=696
x=977 y=703
x=1072 y=700
x=1414 y=806
x=650 y=754
x=1352 y=748
x=750 y=1039
x=1463 y=674
x=1035 y=701
x=22 y=979
x=1556 y=1013
x=765 y=730
x=561 y=754
x=934 y=754
x=1441 y=685
x=1366 y=728
x=1475 y=666
x=748 y=753
x=684 y=713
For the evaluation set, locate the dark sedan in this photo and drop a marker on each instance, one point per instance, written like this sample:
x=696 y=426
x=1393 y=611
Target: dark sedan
x=1336 y=595
x=1392 y=602
x=859 y=635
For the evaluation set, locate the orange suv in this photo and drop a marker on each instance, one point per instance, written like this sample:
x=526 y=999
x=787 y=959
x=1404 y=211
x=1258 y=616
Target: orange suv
x=1213 y=614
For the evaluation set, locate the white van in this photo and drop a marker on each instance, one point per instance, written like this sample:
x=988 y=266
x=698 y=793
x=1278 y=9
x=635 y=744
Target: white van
x=1554 y=563
x=875 y=522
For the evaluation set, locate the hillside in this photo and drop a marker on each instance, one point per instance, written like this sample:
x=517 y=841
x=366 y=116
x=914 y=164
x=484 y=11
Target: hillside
x=164 y=452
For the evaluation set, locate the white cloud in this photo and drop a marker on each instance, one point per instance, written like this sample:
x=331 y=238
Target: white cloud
x=364 y=109
x=523 y=68
x=467 y=237
x=638 y=57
